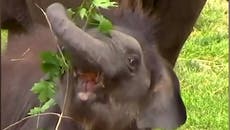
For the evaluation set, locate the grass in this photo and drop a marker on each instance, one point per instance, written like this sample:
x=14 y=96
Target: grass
x=203 y=70
x=4 y=35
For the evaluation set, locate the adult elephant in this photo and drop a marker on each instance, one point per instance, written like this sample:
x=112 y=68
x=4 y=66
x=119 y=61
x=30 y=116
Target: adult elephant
x=137 y=69
x=21 y=14
x=170 y=21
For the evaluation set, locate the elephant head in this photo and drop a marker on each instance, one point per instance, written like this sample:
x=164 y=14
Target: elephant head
x=116 y=82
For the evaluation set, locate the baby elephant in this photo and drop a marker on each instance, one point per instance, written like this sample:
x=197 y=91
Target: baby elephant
x=117 y=82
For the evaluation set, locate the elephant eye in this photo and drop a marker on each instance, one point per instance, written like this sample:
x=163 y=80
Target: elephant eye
x=133 y=63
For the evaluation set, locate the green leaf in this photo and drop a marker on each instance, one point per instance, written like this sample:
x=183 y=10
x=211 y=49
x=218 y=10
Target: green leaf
x=51 y=69
x=44 y=89
x=104 y=24
x=51 y=64
x=35 y=111
x=48 y=104
x=49 y=58
x=43 y=108
x=83 y=13
x=70 y=13
x=105 y=4
x=98 y=17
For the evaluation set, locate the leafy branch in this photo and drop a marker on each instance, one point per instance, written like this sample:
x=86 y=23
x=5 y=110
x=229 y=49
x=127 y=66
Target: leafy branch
x=56 y=64
x=89 y=11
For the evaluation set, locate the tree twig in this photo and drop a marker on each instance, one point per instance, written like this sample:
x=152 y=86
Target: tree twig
x=32 y=116
x=50 y=27
x=65 y=100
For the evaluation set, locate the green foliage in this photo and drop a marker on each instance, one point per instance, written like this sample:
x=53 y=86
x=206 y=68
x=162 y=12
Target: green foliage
x=43 y=108
x=89 y=11
x=44 y=89
x=104 y=24
x=105 y=4
x=83 y=13
x=54 y=65
x=203 y=70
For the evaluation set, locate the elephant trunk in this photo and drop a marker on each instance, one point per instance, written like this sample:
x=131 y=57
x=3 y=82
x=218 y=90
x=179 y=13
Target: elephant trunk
x=88 y=53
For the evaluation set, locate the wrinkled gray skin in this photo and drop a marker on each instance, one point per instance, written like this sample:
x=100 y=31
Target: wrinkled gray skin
x=134 y=89
x=152 y=102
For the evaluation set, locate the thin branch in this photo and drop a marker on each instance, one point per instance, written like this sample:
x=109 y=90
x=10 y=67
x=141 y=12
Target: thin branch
x=24 y=53
x=65 y=100
x=19 y=59
x=88 y=17
x=37 y=125
x=44 y=13
x=32 y=116
x=63 y=58
x=22 y=56
x=50 y=27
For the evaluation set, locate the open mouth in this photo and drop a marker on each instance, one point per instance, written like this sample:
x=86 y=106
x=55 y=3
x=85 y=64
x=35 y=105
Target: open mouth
x=89 y=83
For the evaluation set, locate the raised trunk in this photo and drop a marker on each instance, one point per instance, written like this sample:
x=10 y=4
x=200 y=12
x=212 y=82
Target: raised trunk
x=88 y=53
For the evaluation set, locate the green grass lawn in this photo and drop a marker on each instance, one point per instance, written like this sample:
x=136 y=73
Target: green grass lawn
x=203 y=70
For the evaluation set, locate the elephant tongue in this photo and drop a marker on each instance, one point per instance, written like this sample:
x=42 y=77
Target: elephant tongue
x=88 y=86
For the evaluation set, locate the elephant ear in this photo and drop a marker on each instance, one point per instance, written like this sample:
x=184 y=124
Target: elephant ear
x=164 y=108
